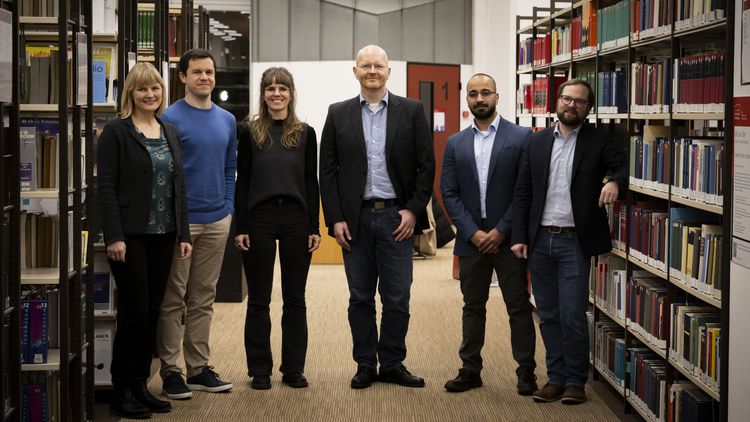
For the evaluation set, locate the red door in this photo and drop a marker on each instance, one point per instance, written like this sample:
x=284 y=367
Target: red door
x=446 y=88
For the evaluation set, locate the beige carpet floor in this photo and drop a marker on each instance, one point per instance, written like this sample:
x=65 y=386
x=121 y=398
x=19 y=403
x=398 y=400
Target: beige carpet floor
x=433 y=340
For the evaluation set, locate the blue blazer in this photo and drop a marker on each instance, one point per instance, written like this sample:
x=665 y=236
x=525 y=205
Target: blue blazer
x=459 y=183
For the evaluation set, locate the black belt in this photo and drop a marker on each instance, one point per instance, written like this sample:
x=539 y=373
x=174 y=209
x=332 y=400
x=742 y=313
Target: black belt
x=378 y=203
x=557 y=230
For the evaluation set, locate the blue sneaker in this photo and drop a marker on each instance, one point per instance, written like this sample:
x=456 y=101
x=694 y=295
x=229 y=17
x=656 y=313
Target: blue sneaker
x=174 y=387
x=208 y=380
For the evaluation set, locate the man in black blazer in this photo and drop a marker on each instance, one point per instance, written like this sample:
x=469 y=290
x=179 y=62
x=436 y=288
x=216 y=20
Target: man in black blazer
x=480 y=165
x=567 y=174
x=376 y=173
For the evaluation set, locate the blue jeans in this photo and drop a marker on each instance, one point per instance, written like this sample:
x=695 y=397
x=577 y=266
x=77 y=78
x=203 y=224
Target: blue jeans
x=559 y=279
x=376 y=256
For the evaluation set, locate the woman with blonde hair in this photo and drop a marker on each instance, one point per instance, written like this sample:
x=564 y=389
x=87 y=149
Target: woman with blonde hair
x=276 y=200
x=143 y=213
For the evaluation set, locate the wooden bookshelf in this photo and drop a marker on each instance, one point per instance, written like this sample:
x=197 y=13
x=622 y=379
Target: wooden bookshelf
x=669 y=39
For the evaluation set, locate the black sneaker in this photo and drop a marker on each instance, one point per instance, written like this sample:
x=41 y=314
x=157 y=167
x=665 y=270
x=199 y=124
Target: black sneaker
x=208 y=380
x=174 y=387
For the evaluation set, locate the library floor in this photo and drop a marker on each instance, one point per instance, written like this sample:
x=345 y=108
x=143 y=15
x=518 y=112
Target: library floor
x=433 y=340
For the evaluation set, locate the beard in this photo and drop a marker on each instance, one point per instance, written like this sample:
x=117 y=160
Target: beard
x=482 y=114
x=574 y=120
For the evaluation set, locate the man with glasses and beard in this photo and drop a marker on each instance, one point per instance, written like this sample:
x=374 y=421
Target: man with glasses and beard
x=566 y=175
x=478 y=178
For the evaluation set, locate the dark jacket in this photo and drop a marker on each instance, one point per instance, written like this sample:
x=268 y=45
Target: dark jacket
x=459 y=183
x=124 y=178
x=595 y=157
x=343 y=160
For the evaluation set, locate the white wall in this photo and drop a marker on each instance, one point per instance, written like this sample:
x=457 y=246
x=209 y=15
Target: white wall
x=739 y=281
x=320 y=84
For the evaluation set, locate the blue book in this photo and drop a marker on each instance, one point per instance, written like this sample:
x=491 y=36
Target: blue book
x=99 y=80
x=25 y=330
x=38 y=338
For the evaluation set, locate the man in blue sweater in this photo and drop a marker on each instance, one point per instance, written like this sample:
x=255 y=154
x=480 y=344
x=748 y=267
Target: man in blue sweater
x=208 y=137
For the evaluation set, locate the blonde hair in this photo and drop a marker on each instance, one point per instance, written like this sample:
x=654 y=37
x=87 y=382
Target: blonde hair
x=141 y=74
x=259 y=124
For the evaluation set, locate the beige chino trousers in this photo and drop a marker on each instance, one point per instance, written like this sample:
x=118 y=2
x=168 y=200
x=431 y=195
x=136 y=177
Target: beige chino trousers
x=187 y=308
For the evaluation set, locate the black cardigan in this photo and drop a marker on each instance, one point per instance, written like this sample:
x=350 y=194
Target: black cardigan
x=124 y=179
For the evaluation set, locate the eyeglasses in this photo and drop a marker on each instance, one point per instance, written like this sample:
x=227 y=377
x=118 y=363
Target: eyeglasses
x=484 y=93
x=567 y=100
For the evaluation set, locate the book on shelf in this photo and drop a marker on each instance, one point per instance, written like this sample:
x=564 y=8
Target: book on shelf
x=609 y=284
x=39 y=155
x=692 y=13
x=40 y=8
x=612 y=92
x=698 y=169
x=650 y=158
x=691 y=349
x=560 y=40
x=542 y=50
x=543 y=97
x=617 y=213
x=699 y=83
x=41 y=71
x=524 y=99
x=649 y=224
x=145 y=29
x=649 y=18
x=525 y=50
x=613 y=28
x=34 y=329
x=584 y=29
x=40 y=396
x=648 y=308
x=610 y=350
x=104 y=16
x=647 y=386
x=39 y=240
x=651 y=86
x=108 y=54
x=695 y=255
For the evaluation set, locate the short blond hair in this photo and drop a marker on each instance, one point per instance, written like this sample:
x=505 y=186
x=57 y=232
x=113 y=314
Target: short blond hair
x=141 y=74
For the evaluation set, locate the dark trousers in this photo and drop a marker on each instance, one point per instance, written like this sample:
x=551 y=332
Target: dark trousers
x=560 y=279
x=476 y=275
x=140 y=280
x=284 y=220
x=376 y=260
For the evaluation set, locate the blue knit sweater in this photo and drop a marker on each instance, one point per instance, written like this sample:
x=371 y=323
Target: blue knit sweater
x=209 y=148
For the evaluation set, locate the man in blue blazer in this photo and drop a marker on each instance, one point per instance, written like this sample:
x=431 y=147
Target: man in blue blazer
x=478 y=179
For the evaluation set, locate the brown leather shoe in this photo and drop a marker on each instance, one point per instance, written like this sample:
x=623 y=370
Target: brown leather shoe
x=573 y=395
x=548 y=393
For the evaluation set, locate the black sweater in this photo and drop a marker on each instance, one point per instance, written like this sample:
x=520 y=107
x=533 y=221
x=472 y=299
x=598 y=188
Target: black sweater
x=276 y=171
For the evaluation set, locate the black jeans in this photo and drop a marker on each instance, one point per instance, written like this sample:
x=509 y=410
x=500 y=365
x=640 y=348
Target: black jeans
x=140 y=280
x=285 y=220
x=476 y=274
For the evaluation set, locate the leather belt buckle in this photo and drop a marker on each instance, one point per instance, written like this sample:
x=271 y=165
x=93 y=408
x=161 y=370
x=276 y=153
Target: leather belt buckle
x=378 y=205
x=554 y=229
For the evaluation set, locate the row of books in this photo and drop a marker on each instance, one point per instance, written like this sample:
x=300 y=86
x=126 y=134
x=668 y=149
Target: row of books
x=609 y=350
x=561 y=39
x=695 y=249
x=40 y=70
x=698 y=169
x=651 y=86
x=695 y=341
x=691 y=13
x=649 y=225
x=613 y=25
x=104 y=16
x=543 y=96
x=525 y=49
x=40 y=396
x=699 y=83
x=646 y=385
x=647 y=308
x=42 y=8
x=542 y=50
x=607 y=284
x=39 y=158
x=145 y=28
x=649 y=18
x=39 y=240
x=584 y=29
x=611 y=91
x=617 y=214
x=39 y=324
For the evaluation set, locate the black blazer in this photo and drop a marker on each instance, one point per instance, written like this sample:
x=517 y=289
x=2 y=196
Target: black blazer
x=124 y=179
x=343 y=160
x=595 y=158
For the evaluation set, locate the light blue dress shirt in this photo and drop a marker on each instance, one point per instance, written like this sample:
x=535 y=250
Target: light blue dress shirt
x=558 y=208
x=483 y=141
x=374 y=125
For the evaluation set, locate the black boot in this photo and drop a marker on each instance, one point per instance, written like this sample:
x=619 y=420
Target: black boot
x=124 y=404
x=141 y=393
